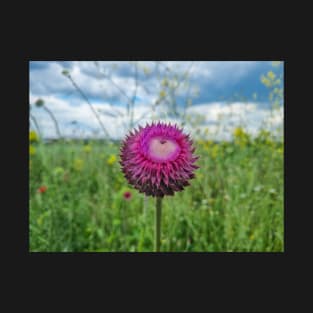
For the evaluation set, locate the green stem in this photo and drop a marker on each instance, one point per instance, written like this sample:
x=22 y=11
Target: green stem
x=32 y=117
x=158 y=211
x=54 y=121
x=94 y=111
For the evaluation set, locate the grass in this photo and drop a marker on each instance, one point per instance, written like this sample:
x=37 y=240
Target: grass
x=235 y=203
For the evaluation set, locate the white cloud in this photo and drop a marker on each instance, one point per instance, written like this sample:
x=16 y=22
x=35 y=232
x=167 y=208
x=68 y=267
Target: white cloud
x=218 y=117
x=221 y=119
x=67 y=105
x=49 y=80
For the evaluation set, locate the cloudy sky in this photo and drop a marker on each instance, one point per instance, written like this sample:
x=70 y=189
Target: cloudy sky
x=223 y=93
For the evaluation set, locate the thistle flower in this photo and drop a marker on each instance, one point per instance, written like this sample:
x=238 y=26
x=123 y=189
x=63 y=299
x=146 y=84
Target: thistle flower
x=158 y=159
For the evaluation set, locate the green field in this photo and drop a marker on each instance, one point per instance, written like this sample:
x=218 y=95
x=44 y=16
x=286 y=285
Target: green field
x=235 y=203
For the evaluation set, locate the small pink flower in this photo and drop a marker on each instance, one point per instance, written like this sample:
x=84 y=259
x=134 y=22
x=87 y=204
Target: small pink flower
x=127 y=195
x=158 y=159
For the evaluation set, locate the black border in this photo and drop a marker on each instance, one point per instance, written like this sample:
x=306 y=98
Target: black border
x=174 y=264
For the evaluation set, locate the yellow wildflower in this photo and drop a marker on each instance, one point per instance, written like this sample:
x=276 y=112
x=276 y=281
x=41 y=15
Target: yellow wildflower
x=265 y=81
x=241 y=137
x=164 y=82
x=205 y=143
x=214 y=151
x=78 y=164
x=32 y=150
x=87 y=148
x=33 y=137
x=271 y=75
x=201 y=142
x=112 y=159
x=239 y=132
x=162 y=94
x=209 y=143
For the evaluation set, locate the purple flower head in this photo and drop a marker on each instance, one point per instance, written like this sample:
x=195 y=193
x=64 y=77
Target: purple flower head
x=158 y=159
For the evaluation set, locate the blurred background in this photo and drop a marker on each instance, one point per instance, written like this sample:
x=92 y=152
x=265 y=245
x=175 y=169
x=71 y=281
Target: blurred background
x=80 y=110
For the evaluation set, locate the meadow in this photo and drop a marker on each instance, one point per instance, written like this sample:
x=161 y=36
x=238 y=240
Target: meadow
x=77 y=199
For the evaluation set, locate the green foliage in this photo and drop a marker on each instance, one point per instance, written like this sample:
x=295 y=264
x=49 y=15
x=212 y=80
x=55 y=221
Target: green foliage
x=274 y=82
x=235 y=203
